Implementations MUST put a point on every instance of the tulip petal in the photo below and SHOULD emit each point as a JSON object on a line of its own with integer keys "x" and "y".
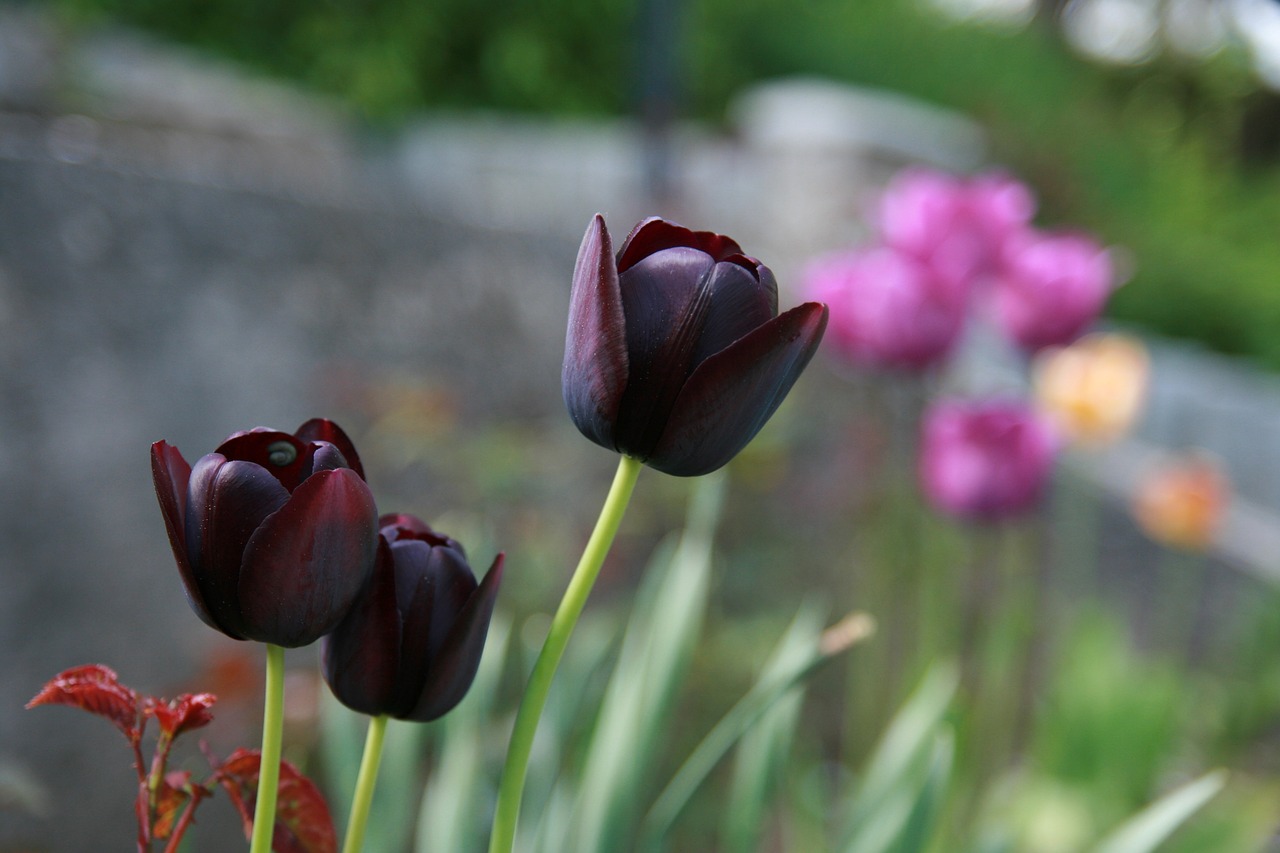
{"x": 733, "y": 393}
{"x": 285, "y": 457}
{"x": 171, "y": 474}
{"x": 655, "y": 234}
{"x": 403, "y": 522}
{"x": 414, "y": 594}
{"x": 327, "y": 457}
{"x": 306, "y": 563}
{"x": 452, "y": 584}
{"x": 361, "y": 658}
{"x": 242, "y": 495}
{"x": 666, "y": 298}
{"x": 454, "y": 667}
{"x": 238, "y": 497}
{"x": 740, "y": 302}
{"x": 595, "y": 370}
{"x": 320, "y": 429}
{"x": 770, "y": 286}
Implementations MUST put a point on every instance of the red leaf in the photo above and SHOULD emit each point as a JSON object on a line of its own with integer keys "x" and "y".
{"x": 303, "y": 822}
{"x": 180, "y": 715}
{"x": 96, "y": 689}
{"x": 171, "y": 797}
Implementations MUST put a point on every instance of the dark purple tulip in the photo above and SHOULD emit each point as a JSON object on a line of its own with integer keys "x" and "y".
{"x": 411, "y": 645}
{"x": 274, "y": 534}
{"x": 985, "y": 460}
{"x": 675, "y": 353}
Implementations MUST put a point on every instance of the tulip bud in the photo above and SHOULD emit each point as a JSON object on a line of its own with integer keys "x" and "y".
{"x": 888, "y": 309}
{"x": 675, "y": 353}
{"x": 274, "y": 534}
{"x": 987, "y": 460}
{"x": 411, "y": 645}
{"x": 1051, "y": 288}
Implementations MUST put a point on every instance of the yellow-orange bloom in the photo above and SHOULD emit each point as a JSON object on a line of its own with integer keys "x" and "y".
{"x": 1181, "y": 503}
{"x": 1095, "y": 388}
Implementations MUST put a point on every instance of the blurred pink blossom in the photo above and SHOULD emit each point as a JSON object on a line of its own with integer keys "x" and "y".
{"x": 888, "y": 308}
{"x": 985, "y": 460}
{"x": 956, "y": 225}
{"x": 1001, "y": 206}
{"x": 1051, "y": 287}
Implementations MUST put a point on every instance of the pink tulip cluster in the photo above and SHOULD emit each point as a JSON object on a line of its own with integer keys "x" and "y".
{"x": 946, "y": 244}
{"x": 946, "y": 248}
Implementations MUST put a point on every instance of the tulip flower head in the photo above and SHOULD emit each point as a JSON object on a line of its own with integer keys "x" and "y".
{"x": 1051, "y": 288}
{"x": 955, "y": 226}
{"x": 987, "y": 460}
{"x": 888, "y": 309}
{"x": 411, "y": 645}
{"x": 274, "y": 534}
{"x": 1095, "y": 388}
{"x": 1181, "y": 502}
{"x": 675, "y": 353}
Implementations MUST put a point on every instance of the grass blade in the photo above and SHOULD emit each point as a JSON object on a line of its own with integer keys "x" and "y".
{"x": 1146, "y": 830}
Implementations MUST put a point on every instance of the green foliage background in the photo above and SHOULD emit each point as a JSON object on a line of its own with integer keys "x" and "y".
{"x": 1148, "y": 157}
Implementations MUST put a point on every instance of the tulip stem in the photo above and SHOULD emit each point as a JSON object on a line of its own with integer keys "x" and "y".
{"x": 365, "y": 783}
{"x": 264, "y": 812}
{"x": 511, "y": 787}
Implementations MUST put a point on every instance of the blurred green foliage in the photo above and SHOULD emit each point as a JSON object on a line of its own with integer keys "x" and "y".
{"x": 1149, "y": 157}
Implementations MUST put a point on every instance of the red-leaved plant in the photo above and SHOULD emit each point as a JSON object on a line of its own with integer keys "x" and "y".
{"x": 167, "y": 801}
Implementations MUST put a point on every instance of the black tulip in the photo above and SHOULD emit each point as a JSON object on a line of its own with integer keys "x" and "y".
{"x": 410, "y": 647}
{"x": 274, "y": 534}
{"x": 675, "y": 353}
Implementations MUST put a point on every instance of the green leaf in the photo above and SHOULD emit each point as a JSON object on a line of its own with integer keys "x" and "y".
{"x": 1146, "y": 830}
{"x": 740, "y": 718}
{"x": 909, "y": 737}
{"x": 763, "y": 750}
{"x": 456, "y": 799}
{"x": 901, "y": 762}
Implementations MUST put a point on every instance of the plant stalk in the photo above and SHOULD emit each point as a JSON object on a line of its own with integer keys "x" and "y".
{"x": 264, "y": 812}
{"x": 365, "y": 782}
{"x": 511, "y": 786}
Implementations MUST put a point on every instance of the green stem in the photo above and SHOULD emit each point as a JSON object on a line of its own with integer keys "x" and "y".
{"x": 511, "y": 787}
{"x": 365, "y": 783}
{"x": 264, "y": 813}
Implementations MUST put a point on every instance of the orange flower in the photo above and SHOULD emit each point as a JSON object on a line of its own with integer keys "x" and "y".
{"x": 1181, "y": 503}
{"x": 1093, "y": 389}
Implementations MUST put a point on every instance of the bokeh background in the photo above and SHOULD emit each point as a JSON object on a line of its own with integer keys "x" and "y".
{"x": 223, "y": 214}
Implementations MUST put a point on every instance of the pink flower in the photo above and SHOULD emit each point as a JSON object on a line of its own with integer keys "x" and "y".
{"x": 1000, "y": 206}
{"x": 888, "y": 309}
{"x": 1052, "y": 287}
{"x": 955, "y": 225}
{"x": 985, "y": 460}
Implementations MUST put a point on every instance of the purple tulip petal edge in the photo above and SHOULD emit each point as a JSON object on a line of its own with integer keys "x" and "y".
{"x": 595, "y": 352}
{"x": 320, "y": 429}
{"x": 454, "y": 667}
{"x": 171, "y": 474}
